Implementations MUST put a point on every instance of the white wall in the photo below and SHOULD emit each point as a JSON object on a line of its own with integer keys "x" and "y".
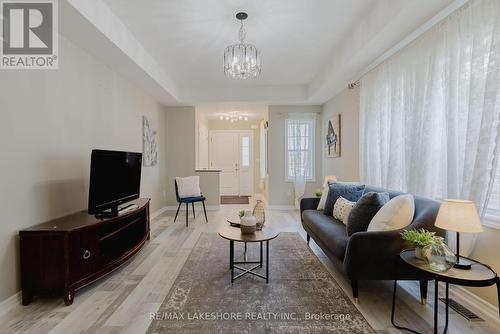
{"x": 201, "y": 140}
{"x": 50, "y": 121}
{"x": 180, "y": 150}
{"x": 346, "y": 167}
{"x": 280, "y": 192}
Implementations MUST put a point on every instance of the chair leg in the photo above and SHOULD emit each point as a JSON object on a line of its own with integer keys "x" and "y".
{"x": 205, "y": 211}
{"x": 308, "y": 238}
{"x": 355, "y": 293}
{"x": 423, "y": 292}
{"x": 194, "y": 215}
{"x": 187, "y": 209}
{"x": 177, "y": 212}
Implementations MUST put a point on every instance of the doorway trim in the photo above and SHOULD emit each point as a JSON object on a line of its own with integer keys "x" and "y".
{"x": 251, "y": 157}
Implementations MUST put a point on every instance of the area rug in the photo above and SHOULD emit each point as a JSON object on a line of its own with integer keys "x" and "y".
{"x": 234, "y": 200}
{"x": 301, "y": 297}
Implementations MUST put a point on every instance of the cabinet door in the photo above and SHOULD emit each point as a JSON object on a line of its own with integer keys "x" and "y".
{"x": 83, "y": 259}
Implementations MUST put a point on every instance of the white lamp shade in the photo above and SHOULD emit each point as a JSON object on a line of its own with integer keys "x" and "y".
{"x": 329, "y": 178}
{"x": 458, "y": 216}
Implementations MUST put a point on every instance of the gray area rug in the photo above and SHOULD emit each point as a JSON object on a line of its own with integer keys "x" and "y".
{"x": 234, "y": 200}
{"x": 301, "y": 297}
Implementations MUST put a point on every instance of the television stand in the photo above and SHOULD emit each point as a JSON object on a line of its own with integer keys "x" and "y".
{"x": 116, "y": 211}
{"x": 63, "y": 255}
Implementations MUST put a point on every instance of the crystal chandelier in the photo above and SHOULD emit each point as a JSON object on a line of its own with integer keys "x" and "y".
{"x": 242, "y": 61}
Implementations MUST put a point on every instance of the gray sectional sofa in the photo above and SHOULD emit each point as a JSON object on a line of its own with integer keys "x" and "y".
{"x": 368, "y": 255}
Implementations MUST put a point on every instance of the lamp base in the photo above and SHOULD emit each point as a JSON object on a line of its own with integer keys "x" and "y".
{"x": 463, "y": 264}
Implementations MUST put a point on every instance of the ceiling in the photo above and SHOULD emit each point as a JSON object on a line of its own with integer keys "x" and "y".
{"x": 188, "y": 37}
{"x": 310, "y": 49}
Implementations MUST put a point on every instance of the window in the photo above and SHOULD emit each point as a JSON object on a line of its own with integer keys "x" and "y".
{"x": 245, "y": 151}
{"x": 493, "y": 209}
{"x": 299, "y": 148}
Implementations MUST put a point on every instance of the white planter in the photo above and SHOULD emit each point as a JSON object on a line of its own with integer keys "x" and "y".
{"x": 248, "y": 223}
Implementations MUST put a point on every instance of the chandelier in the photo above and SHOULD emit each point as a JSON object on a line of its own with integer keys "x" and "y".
{"x": 242, "y": 61}
{"x": 233, "y": 117}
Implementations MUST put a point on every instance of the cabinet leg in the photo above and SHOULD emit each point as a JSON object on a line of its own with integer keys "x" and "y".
{"x": 68, "y": 297}
{"x": 27, "y": 297}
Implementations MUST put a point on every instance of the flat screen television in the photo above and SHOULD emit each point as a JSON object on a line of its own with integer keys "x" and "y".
{"x": 115, "y": 178}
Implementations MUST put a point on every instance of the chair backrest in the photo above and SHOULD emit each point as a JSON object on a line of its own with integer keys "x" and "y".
{"x": 187, "y": 187}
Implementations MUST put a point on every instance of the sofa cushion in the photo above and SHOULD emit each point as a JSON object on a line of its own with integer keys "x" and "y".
{"x": 324, "y": 195}
{"x": 351, "y": 192}
{"x": 394, "y": 215}
{"x": 330, "y": 231}
{"x": 364, "y": 211}
{"x": 342, "y": 209}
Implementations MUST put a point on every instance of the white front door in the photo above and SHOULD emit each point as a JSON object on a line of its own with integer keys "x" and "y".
{"x": 232, "y": 153}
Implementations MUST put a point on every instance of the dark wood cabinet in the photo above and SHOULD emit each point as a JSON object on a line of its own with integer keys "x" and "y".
{"x": 63, "y": 255}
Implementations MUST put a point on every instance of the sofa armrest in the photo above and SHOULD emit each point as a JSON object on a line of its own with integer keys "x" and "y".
{"x": 373, "y": 254}
{"x": 310, "y": 203}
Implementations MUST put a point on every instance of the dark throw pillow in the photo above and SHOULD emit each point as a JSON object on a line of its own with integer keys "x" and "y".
{"x": 350, "y": 191}
{"x": 364, "y": 210}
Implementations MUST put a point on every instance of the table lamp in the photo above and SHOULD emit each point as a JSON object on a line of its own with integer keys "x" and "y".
{"x": 328, "y": 179}
{"x": 459, "y": 216}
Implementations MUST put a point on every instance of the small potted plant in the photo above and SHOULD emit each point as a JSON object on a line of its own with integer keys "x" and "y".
{"x": 318, "y": 192}
{"x": 419, "y": 239}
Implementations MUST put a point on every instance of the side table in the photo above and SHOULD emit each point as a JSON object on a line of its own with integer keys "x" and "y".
{"x": 480, "y": 275}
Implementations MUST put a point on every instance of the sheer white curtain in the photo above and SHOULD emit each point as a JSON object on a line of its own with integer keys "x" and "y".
{"x": 299, "y": 151}
{"x": 429, "y": 121}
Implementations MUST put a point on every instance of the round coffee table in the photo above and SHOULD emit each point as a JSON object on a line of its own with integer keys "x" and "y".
{"x": 234, "y": 234}
{"x": 480, "y": 275}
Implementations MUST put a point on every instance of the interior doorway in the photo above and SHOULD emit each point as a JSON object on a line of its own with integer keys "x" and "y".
{"x": 231, "y": 151}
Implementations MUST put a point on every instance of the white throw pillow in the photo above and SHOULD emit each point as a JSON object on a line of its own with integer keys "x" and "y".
{"x": 188, "y": 186}
{"x": 342, "y": 208}
{"x": 322, "y": 200}
{"x": 394, "y": 215}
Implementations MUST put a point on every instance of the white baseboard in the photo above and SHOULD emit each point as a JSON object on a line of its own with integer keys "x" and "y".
{"x": 281, "y": 207}
{"x": 9, "y": 303}
{"x": 208, "y": 207}
{"x": 475, "y": 304}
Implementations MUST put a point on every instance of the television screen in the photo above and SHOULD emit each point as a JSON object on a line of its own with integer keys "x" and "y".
{"x": 115, "y": 178}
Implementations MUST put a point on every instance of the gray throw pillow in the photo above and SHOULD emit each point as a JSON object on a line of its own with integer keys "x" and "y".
{"x": 364, "y": 210}
{"x": 351, "y": 192}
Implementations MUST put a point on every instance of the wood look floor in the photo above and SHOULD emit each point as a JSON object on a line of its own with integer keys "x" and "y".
{"x": 122, "y": 301}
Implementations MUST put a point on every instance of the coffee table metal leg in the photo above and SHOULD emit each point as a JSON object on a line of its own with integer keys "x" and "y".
{"x": 267, "y": 261}
{"x": 245, "y": 253}
{"x": 261, "y": 254}
{"x": 231, "y": 259}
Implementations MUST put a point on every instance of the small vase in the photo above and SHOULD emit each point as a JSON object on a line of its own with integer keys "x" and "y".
{"x": 248, "y": 223}
{"x": 439, "y": 256}
{"x": 259, "y": 214}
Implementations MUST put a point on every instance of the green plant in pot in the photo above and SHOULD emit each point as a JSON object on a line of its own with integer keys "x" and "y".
{"x": 318, "y": 192}
{"x": 419, "y": 239}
